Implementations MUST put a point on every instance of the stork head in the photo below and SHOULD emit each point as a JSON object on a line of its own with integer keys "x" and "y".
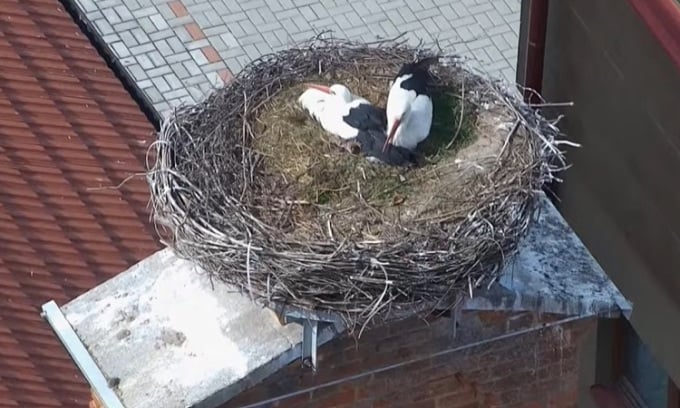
{"x": 339, "y": 90}
{"x": 397, "y": 109}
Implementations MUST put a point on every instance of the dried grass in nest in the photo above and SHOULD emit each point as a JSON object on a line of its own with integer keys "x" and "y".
{"x": 225, "y": 186}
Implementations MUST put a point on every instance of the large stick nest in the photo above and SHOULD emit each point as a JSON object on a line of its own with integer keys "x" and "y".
{"x": 241, "y": 180}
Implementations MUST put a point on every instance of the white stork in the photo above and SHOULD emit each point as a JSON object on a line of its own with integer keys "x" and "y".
{"x": 409, "y": 106}
{"x": 340, "y": 112}
{"x": 353, "y": 119}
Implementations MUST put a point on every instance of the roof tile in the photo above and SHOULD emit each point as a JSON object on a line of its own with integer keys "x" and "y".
{"x": 69, "y": 134}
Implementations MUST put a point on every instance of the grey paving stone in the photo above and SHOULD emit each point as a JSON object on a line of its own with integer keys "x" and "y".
{"x": 215, "y": 79}
{"x": 251, "y": 39}
{"x": 161, "y": 35}
{"x": 142, "y": 49}
{"x": 128, "y": 39}
{"x": 153, "y": 94}
{"x": 120, "y": 49}
{"x": 218, "y": 44}
{"x": 156, "y": 58}
{"x": 183, "y": 35}
{"x": 88, "y": 5}
{"x": 248, "y": 27}
{"x": 103, "y": 4}
{"x": 192, "y": 67}
{"x": 147, "y": 25}
{"x": 176, "y": 94}
{"x": 180, "y": 57}
{"x": 216, "y": 31}
{"x": 145, "y": 62}
{"x": 180, "y": 71}
{"x": 201, "y": 19}
{"x": 144, "y": 84}
{"x": 133, "y": 4}
{"x": 199, "y": 57}
{"x": 195, "y": 93}
{"x": 162, "y": 107}
{"x": 103, "y": 27}
{"x": 145, "y": 12}
{"x": 123, "y": 12}
{"x": 111, "y": 16}
{"x": 138, "y": 73}
{"x": 159, "y": 53}
{"x": 194, "y": 45}
{"x": 197, "y": 8}
{"x": 320, "y": 11}
{"x": 272, "y": 39}
{"x": 111, "y": 38}
{"x": 175, "y": 44}
{"x": 165, "y": 11}
{"x": 125, "y": 25}
{"x": 127, "y": 61}
{"x": 161, "y": 84}
{"x": 173, "y": 81}
{"x": 179, "y": 21}
{"x": 196, "y": 80}
{"x": 160, "y": 71}
{"x": 140, "y": 35}
{"x": 159, "y": 21}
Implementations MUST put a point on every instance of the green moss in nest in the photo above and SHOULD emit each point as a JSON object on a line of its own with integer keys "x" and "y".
{"x": 452, "y": 127}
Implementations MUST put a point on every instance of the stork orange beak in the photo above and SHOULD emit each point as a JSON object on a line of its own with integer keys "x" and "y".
{"x": 321, "y": 88}
{"x": 390, "y": 136}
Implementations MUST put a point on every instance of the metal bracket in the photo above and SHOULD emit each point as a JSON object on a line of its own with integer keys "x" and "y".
{"x": 313, "y": 323}
{"x": 310, "y": 338}
{"x": 455, "y": 316}
{"x": 68, "y": 337}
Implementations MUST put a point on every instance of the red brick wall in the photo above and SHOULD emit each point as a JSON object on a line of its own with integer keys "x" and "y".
{"x": 537, "y": 369}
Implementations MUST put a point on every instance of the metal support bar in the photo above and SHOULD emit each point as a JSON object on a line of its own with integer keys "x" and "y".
{"x": 310, "y": 338}
{"x": 68, "y": 337}
{"x": 455, "y": 316}
{"x": 309, "y": 342}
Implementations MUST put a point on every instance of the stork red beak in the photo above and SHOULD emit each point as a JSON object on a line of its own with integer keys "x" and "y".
{"x": 390, "y": 136}
{"x": 321, "y": 88}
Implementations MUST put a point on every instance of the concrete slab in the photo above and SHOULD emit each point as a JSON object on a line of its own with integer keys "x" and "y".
{"x": 221, "y": 36}
{"x": 553, "y": 272}
{"x": 172, "y": 339}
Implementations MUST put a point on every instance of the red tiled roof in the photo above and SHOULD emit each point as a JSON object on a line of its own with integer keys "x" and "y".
{"x": 67, "y": 128}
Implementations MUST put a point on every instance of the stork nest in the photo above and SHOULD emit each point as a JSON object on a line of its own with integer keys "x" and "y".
{"x": 261, "y": 197}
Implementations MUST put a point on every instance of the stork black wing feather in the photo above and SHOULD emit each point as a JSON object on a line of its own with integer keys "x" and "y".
{"x": 366, "y": 116}
{"x": 420, "y": 75}
{"x": 420, "y": 65}
{"x": 371, "y": 143}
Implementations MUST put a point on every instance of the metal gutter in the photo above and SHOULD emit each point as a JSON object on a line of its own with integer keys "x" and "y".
{"x": 75, "y": 348}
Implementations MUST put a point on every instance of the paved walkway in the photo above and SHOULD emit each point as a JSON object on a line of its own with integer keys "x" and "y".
{"x": 177, "y": 50}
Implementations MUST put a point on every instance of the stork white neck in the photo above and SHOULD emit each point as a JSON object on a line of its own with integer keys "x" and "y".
{"x": 341, "y": 92}
{"x": 409, "y": 115}
{"x": 398, "y": 122}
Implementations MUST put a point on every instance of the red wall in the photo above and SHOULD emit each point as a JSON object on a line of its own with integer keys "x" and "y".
{"x": 537, "y": 369}
{"x": 621, "y": 196}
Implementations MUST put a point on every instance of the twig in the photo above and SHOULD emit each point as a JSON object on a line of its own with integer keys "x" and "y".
{"x": 119, "y": 185}
{"x": 512, "y": 131}
{"x": 462, "y": 114}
